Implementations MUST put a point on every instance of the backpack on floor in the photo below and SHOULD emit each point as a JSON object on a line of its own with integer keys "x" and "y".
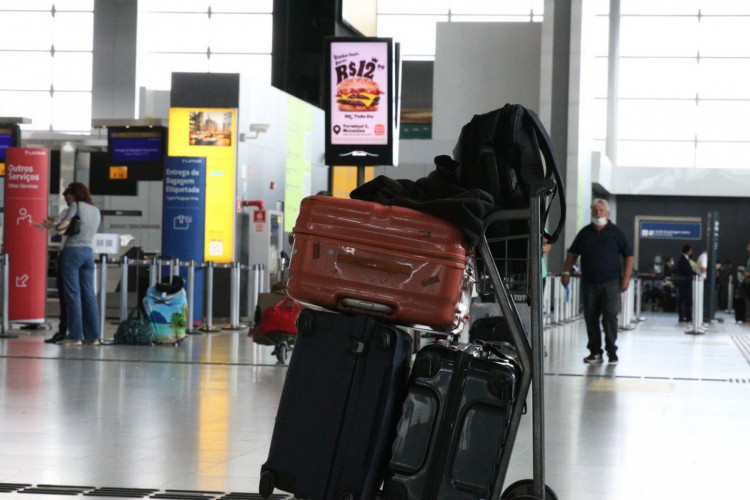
{"x": 507, "y": 152}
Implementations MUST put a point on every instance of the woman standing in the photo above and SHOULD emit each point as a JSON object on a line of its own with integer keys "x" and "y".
{"x": 77, "y": 263}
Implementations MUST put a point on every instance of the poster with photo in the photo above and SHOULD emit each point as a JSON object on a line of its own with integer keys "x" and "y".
{"x": 359, "y": 101}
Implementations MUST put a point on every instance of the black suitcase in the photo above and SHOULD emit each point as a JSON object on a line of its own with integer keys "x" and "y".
{"x": 454, "y": 424}
{"x": 339, "y": 408}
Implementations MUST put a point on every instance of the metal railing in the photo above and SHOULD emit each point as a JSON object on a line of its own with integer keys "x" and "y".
{"x": 168, "y": 267}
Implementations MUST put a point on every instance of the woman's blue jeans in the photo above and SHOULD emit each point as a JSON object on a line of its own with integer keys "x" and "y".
{"x": 78, "y": 288}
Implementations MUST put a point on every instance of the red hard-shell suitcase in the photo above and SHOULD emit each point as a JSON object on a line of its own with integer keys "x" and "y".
{"x": 400, "y": 264}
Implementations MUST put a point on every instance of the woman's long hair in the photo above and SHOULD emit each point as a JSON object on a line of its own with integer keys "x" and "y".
{"x": 79, "y": 192}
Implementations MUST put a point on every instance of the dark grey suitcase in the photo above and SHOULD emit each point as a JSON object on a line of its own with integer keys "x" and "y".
{"x": 454, "y": 424}
{"x": 339, "y": 408}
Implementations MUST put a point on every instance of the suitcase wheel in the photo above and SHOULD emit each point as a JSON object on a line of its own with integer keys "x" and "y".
{"x": 267, "y": 483}
{"x": 426, "y": 365}
{"x": 524, "y": 490}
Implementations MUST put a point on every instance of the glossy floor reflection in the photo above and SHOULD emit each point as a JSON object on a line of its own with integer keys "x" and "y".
{"x": 668, "y": 422}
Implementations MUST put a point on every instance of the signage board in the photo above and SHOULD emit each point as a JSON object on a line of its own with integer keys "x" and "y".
{"x": 670, "y": 230}
{"x": 360, "y": 95}
{"x": 184, "y": 217}
{"x": 211, "y": 133}
{"x": 26, "y": 201}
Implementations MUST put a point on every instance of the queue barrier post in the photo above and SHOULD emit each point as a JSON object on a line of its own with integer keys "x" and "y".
{"x": 102, "y": 295}
{"x": 5, "y": 265}
{"x": 190, "y": 295}
{"x": 208, "y": 323}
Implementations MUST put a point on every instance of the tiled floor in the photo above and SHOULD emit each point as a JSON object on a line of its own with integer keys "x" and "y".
{"x": 670, "y": 421}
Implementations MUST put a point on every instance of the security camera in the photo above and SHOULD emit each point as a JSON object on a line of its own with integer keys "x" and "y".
{"x": 259, "y": 128}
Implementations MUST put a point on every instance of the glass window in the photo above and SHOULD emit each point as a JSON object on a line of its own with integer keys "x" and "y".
{"x": 74, "y": 31}
{"x": 175, "y": 32}
{"x": 258, "y": 67}
{"x": 174, "y": 35}
{"x": 412, "y": 7}
{"x": 147, "y": 6}
{"x": 34, "y": 105}
{"x": 724, "y": 37}
{"x": 72, "y": 71}
{"x": 43, "y": 5}
{"x": 723, "y": 79}
{"x": 656, "y": 120}
{"x": 25, "y": 71}
{"x": 655, "y": 154}
{"x": 248, "y": 34}
{"x": 156, "y": 69}
{"x": 722, "y": 155}
{"x": 521, "y": 18}
{"x": 661, "y": 7}
{"x": 84, "y": 5}
{"x": 658, "y": 78}
{"x": 26, "y": 30}
{"x": 252, "y": 6}
{"x": 71, "y": 111}
{"x": 723, "y": 121}
{"x": 659, "y": 36}
{"x": 416, "y": 33}
{"x": 483, "y": 7}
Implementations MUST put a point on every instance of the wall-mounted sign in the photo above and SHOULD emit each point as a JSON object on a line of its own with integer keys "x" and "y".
{"x": 360, "y": 101}
{"x": 668, "y": 230}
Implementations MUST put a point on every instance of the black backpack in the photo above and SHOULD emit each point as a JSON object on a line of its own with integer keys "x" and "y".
{"x": 506, "y": 152}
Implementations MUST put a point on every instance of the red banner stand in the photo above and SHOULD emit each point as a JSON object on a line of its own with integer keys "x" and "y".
{"x": 26, "y": 203}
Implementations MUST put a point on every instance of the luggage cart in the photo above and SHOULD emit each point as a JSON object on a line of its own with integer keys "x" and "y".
{"x": 502, "y": 272}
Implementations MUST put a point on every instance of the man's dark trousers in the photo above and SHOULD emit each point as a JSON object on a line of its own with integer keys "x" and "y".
{"x": 601, "y": 301}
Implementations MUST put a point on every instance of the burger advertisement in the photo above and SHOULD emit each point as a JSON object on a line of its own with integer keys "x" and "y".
{"x": 359, "y": 118}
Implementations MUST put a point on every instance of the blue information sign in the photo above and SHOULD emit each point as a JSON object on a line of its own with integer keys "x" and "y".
{"x": 184, "y": 217}
{"x": 670, "y": 230}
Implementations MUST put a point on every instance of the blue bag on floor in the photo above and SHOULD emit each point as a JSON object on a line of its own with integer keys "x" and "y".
{"x": 166, "y": 309}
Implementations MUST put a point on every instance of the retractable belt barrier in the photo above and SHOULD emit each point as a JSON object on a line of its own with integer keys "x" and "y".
{"x": 697, "y": 327}
{"x": 563, "y": 305}
{"x": 156, "y": 267}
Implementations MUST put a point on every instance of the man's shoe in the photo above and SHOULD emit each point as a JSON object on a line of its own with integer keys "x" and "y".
{"x": 57, "y": 337}
{"x": 93, "y": 342}
{"x": 72, "y": 342}
{"x": 613, "y": 359}
{"x": 593, "y": 359}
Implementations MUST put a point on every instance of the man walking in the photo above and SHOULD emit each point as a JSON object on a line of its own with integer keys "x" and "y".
{"x": 606, "y": 264}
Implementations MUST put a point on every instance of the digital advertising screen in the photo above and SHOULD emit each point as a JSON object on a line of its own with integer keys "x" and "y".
{"x": 9, "y": 137}
{"x": 360, "y": 98}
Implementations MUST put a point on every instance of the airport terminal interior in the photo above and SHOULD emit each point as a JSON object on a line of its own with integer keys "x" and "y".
{"x": 645, "y": 104}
